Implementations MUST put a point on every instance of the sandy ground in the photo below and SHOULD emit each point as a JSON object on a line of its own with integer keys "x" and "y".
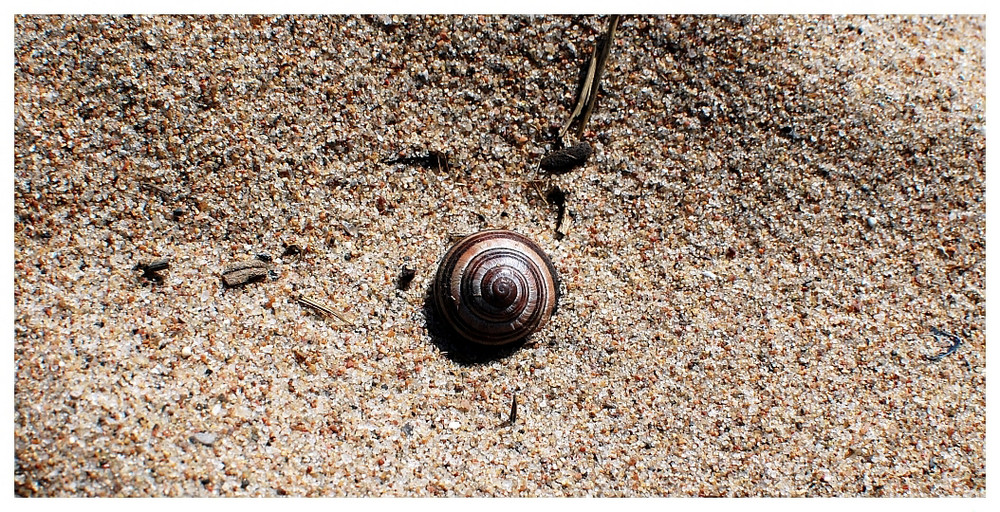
{"x": 773, "y": 266}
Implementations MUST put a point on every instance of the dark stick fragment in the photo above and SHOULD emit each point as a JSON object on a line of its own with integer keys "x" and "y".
{"x": 567, "y": 159}
{"x": 512, "y": 418}
{"x": 243, "y": 272}
{"x": 435, "y": 160}
{"x": 513, "y": 409}
{"x": 557, "y": 197}
{"x": 953, "y": 339}
{"x": 153, "y": 265}
{"x": 150, "y": 268}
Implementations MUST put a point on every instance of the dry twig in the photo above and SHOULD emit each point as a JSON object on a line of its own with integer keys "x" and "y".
{"x": 592, "y": 80}
{"x": 323, "y": 308}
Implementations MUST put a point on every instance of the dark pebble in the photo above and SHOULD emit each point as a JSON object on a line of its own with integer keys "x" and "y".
{"x": 567, "y": 159}
{"x": 406, "y": 275}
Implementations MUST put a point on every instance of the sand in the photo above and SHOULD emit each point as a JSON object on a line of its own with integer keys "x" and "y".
{"x": 773, "y": 265}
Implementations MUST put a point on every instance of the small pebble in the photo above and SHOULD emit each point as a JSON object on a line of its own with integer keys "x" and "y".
{"x": 406, "y": 276}
{"x": 205, "y": 438}
{"x": 240, "y": 273}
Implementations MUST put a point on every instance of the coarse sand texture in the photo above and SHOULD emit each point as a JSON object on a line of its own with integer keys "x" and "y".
{"x": 769, "y": 238}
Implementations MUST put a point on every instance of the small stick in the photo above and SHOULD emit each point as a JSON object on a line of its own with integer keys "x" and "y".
{"x": 513, "y": 409}
{"x": 584, "y": 93}
{"x": 322, "y": 308}
{"x": 592, "y": 80}
{"x": 150, "y": 269}
{"x": 512, "y": 417}
{"x": 163, "y": 193}
{"x": 601, "y": 61}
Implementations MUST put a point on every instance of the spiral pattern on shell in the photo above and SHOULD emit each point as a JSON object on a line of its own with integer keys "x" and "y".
{"x": 496, "y": 287}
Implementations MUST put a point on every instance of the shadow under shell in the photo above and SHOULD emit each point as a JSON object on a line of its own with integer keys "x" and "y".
{"x": 456, "y": 347}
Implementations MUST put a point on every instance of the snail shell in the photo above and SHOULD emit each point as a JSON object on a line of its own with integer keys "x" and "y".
{"x": 496, "y": 287}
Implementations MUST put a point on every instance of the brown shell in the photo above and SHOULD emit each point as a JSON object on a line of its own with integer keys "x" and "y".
{"x": 496, "y": 287}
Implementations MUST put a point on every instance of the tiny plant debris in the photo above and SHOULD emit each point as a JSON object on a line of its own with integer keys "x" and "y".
{"x": 557, "y": 197}
{"x": 513, "y": 409}
{"x": 435, "y": 160}
{"x": 591, "y": 80}
{"x": 322, "y": 308}
{"x": 243, "y": 272}
{"x": 150, "y": 268}
{"x": 512, "y": 417}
